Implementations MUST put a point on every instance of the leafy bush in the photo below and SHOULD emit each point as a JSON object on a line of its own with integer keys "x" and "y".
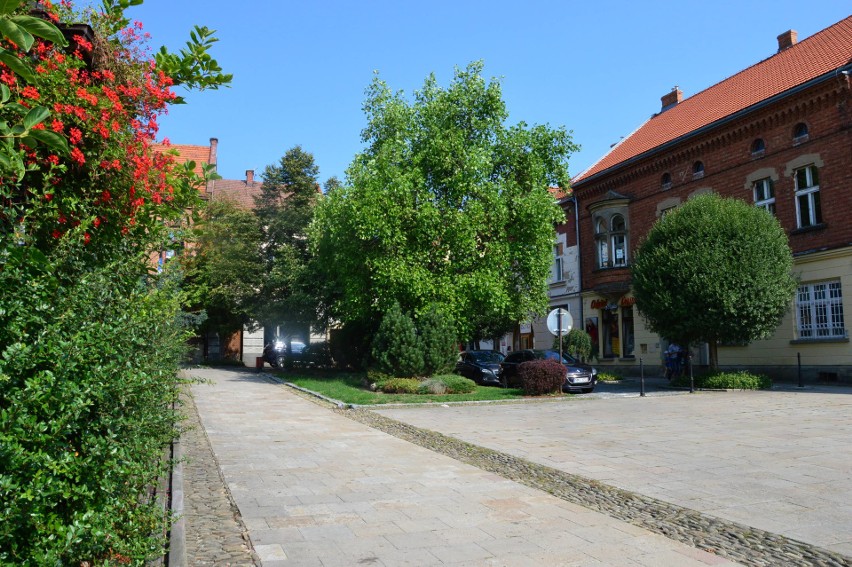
{"x": 541, "y": 377}
{"x": 577, "y": 342}
{"x": 400, "y": 386}
{"x": 740, "y": 380}
{"x": 609, "y": 377}
{"x": 88, "y": 373}
{"x": 396, "y": 349}
{"x": 456, "y": 384}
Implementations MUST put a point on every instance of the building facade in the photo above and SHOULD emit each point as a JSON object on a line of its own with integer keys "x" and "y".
{"x": 778, "y": 135}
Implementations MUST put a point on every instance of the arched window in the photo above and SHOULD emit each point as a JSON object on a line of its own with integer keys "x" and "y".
{"x": 666, "y": 181}
{"x": 698, "y": 170}
{"x": 611, "y": 241}
{"x": 758, "y": 147}
{"x": 800, "y": 133}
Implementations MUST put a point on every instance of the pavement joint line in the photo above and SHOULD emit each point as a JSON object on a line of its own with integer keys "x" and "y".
{"x": 732, "y": 540}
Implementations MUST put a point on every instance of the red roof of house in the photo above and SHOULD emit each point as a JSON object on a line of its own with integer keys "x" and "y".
{"x": 817, "y": 55}
{"x": 237, "y": 191}
{"x": 198, "y": 154}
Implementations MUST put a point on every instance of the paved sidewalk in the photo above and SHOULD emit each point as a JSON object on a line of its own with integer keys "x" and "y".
{"x": 316, "y": 488}
{"x": 780, "y": 461}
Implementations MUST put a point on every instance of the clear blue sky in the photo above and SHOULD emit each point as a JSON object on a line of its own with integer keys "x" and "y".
{"x": 598, "y": 68}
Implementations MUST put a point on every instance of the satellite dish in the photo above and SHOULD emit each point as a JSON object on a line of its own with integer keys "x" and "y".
{"x": 559, "y": 322}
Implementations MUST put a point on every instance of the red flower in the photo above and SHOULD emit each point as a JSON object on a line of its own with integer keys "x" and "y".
{"x": 78, "y": 156}
{"x": 56, "y": 234}
{"x": 57, "y": 126}
{"x": 30, "y": 92}
{"x": 76, "y": 136}
{"x": 87, "y": 238}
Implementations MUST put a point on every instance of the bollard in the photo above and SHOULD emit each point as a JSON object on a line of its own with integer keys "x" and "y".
{"x": 642, "y": 378}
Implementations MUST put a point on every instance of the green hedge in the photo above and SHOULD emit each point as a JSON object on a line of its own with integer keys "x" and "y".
{"x": 88, "y": 375}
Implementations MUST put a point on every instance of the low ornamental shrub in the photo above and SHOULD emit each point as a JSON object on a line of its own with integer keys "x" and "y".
{"x": 541, "y": 377}
{"x": 738, "y": 380}
{"x": 400, "y": 386}
{"x": 609, "y": 377}
{"x": 432, "y": 386}
{"x": 456, "y": 384}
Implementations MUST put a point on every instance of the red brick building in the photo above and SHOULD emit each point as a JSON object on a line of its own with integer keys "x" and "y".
{"x": 779, "y": 135}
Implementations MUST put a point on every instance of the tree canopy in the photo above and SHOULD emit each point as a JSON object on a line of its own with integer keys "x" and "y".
{"x": 446, "y": 205}
{"x": 714, "y": 269}
{"x": 284, "y": 210}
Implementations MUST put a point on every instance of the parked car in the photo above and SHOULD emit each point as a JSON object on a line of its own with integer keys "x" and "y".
{"x": 314, "y": 355}
{"x": 579, "y": 377}
{"x": 481, "y": 366}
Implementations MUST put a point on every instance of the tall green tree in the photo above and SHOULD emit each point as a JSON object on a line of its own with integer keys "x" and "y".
{"x": 715, "y": 269}
{"x": 446, "y": 204}
{"x": 285, "y": 209}
{"x": 222, "y": 269}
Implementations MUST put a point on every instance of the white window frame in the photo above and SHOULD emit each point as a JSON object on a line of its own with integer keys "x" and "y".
{"x": 819, "y": 311}
{"x": 602, "y": 243}
{"x": 809, "y": 195}
{"x": 618, "y": 241}
{"x": 764, "y": 194}
{"x": 558, "y": 274}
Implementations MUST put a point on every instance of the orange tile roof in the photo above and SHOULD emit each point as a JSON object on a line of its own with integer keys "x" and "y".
{"x": 236, "y": 191}
{"x": 809, "y": 59}
{"x": 198, "y": 154}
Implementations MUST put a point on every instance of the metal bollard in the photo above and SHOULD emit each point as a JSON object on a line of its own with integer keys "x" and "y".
{"x": 642, "y": 378}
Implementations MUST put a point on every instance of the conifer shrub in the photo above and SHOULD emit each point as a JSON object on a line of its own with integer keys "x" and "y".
{"x": 396, "y": 348}
{"x": 577, "y": 342}
{"x": 437, "y": 339}
{"x": 541, "y": 377}
{"x": 432, "y": 386}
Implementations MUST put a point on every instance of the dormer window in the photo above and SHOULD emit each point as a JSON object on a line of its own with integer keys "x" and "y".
{"x": 758, "y": 148}
{"x": 800, "y": 133}
{"x": 666, "y": 181}
{"x": 698, "y": 170}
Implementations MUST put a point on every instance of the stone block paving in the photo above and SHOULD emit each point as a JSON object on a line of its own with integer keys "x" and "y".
{"x": 778, "y": 461}
{"x": 314, "y": 487}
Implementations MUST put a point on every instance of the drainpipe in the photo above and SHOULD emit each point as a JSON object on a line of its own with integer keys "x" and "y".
{"x": 579, "y": 257}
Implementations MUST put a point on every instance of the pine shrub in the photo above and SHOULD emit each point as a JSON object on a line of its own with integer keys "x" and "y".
{"x": 437, "y": 339}
{"x": 401, "y": 386}
{"x": 541, "y": 377}
{"x": 396, "y": 349}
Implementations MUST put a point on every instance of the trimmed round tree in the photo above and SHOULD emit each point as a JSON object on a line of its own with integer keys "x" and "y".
{"x": 715, "y": 269}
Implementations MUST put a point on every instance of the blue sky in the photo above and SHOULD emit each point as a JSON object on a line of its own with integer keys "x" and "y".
{"x": 598, "y": 68}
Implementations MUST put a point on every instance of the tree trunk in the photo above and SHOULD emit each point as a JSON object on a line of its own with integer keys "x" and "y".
{"x": 714, "y": 354}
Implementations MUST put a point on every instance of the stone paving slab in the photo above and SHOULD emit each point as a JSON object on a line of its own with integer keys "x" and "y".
{"x": 316, "y": 488}
{"x": 780, "y": 461}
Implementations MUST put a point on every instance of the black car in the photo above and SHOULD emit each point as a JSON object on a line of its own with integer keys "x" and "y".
{"x": 579, "y": 377}
{"x": 314, "y": 355}
{"x": 481, "y": 366}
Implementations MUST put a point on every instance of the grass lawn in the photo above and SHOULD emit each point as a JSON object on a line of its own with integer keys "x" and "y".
{"x": 349, "y": 388}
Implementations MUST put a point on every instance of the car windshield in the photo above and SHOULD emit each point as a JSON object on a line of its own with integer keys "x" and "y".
{"x": 554, "y": 355}
{"x": 486, "y": 356}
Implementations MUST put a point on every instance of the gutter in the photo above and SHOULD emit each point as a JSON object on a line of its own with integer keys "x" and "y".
{"x": 845, "y": 70}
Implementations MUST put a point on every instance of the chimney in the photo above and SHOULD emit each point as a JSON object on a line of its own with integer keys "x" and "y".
{"x": 671, "y": 99}
{"x": 787, "y": 39}
{"x": 214, "y": 143}
{"x": 250, "y": 178}
{"x": 211, "y": 185}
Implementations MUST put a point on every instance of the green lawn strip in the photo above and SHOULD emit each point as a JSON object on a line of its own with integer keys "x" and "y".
{"x": 349, "y": 389}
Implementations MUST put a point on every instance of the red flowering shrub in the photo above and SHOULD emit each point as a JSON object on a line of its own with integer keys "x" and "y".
{"x": 540, "y": 377}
